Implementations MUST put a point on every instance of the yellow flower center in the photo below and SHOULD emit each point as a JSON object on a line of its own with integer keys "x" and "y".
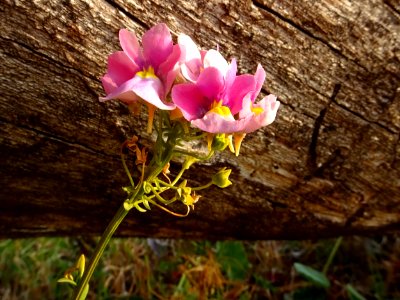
{"x": 147, "y": 73}
{"x": 256, "y": 110}
{"x": 218, "y": 108}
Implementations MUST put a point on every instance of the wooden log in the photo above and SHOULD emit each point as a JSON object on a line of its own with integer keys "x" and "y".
{"x": 329, "y": 165}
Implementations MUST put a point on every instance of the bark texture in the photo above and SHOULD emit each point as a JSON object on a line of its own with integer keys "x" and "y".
{"x": 329, "y": 165}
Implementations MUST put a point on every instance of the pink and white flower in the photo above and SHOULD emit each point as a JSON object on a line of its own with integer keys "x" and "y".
{"x": 193, "y": 60}
{"x": 225, "y": 104}
{"x": 143, "y": 73}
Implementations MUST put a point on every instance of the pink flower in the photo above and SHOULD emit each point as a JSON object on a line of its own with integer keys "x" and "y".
{"x": 194, "y": 61}
{"x": 225, "y": 104}
{"x": 145, "y": 73}
{"x": 250, "y": 118}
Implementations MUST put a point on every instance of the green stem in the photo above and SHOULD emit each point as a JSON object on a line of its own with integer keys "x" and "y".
{"x": 166, "y": 151}
{"x": 165, "y": 184}
{"x": 203, "y": 186}
{"x": 178, "y": 176}
{"x": 332, "y": 254}
{"x": 158, "y": 196}
{"x": 127, "y": 170}
{"x": 105, "y": 239}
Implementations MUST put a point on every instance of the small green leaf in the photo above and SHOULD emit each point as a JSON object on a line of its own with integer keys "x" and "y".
{"x": 353, "y": 293}
{"x": 138, "y": 207}
{"x": 66, "y": 280}
{"x": 316, "y": 277}
{"x": 146, "y": 204}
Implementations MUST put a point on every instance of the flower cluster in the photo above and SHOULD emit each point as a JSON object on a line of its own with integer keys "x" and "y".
{"x": 196, "y": 86}
{"x": 188, "y": 86}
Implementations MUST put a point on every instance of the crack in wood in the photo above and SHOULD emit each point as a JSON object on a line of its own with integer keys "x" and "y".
{"x": 305, "y": 31}
{"x": 365, "y": 119}
{"x": 127, "y": 13}
{"x": 391, "y": 7}
{"x": 48, "y": 58}
{"x": 357, "y": 114}
{"x": 59, "y": 139}
{"x": 312, "y": 150}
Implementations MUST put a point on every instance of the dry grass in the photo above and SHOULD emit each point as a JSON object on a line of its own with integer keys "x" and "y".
{"x": 131, "y": 269}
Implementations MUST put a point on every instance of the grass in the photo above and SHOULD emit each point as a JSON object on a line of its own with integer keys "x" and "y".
{"x": 363, "y": 268}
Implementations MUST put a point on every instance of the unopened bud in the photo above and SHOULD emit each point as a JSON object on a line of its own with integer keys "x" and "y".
{"x": 221, "y": 179}
{"x": 220, "y": 142}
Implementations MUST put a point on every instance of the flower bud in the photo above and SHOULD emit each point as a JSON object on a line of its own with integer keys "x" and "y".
{"x": 80, "y": 265}
{"x": 221, "y": 179}
{"x": 220, "y": 142}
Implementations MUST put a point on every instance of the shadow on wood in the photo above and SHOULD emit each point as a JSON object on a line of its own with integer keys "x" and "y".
{"x": 329, "y": 165}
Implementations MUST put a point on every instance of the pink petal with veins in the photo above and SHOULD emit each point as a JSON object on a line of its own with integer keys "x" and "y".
{"x": 120, "y": 68}
{"x": 214, "y": 59}
{"x": 190, "y": 100}
{"x": 157, "y": 45}
{"x": 148, "y": 89}
{"x": 131, "y": 47}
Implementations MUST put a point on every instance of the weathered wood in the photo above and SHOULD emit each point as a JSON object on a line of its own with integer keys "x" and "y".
{"x": 329, "y": 165}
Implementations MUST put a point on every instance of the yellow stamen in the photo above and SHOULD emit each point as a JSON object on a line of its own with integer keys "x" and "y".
{"x": 257, "y": 110}
{"x": 218, "y": 108}
{"x": 238, "y": 137}
{"x": 147, "y": 73}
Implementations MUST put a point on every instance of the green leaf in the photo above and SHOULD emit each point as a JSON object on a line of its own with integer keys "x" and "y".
{"x": 353, "y": 293}
{"x": 66, "y": 280}
{"x": 85, "y": 292}
{"x": 137, "y": 206}
{"x": 146, "y": 204}
{"x": 233, "y": 259}
{"x": 312, "y": 275}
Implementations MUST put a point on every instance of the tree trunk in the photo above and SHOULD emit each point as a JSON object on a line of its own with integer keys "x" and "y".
{"x": 329, "y": 165}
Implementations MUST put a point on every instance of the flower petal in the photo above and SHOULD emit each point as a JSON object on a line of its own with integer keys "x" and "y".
{"x": 120, "y": 68}
{"x": 148, "y": 89}
{"x": 157, "y": 45}
{"x": 169, "y": 69}
{"x": 191, "y": 58}
{"x": 122, "y": 92}
{"x": 216, "y": 123}
{"x": 190, "y": 100}
{"x": 240, "y": 87}
{"x": 152, "y": 91}
{"x": 108, "y": 84}
{"x": 130, "y": 45}
{"x": 259, "y": 78}
{"x": 211, "y": 83}
{"x": 214, "y": 59}
{"x": 230, "y": 74}
{"x": 252, "y": 121}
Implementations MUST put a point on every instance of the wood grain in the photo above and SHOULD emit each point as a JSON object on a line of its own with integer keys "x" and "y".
{"x": 329, "y": 165}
